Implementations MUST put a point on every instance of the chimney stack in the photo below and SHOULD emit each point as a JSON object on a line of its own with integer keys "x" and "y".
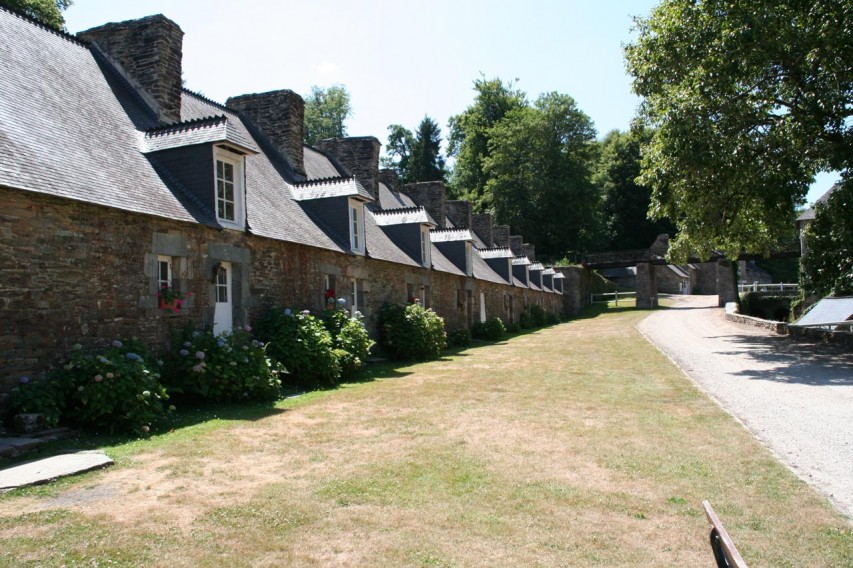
{"x": 280, "y": 117}
{"x": 500, "y": 235}
{"x": 389, "y": 178}
{"x": 358, "y": 154}
{"x": 529, "y": 251}
{"x": 430, "y": 195}
{"x": 148, "y": 51}
{"x": 482, "y": 223}
{"x": 459, "y": 211}
{"x": 516, "y": 245}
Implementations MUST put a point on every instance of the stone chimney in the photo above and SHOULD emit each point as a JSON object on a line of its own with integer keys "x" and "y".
{"x": 500, "y": 235}
{"x": 280, "y": 116}
{"x": 459, "y": 211}
{"x": 389, "y": 178}
{"x": 148, "y": 52}
{"x": 358, "y": 154}
{"x": 516, "y": 245}
{"x": 482, "y": 223}
{"x": 430, "y": 195}
{"x": 529, "y": 251}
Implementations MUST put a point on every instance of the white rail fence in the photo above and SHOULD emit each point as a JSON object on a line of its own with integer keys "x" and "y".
{"x": 775, "y": 287}
{"x": 606, "y": 297}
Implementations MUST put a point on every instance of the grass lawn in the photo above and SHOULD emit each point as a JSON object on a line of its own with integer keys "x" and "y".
{"x": 575, "y": 445}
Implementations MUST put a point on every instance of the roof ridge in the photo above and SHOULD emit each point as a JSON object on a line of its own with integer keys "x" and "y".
{"x": 47, "y": 27}
{"x": 186, "y": 125}
{"x": 207, "y": 100}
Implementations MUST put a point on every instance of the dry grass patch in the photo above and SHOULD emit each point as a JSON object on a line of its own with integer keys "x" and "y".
{"x": 578, "y": 445}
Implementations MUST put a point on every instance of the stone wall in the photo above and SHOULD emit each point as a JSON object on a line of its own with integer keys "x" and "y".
{"x": 79, "y": 273}
{"x": 706, "y": 278}
{"x": 390, "y": 178}
{"x": 576, "y": 288}
{"x": 149, "y": 51}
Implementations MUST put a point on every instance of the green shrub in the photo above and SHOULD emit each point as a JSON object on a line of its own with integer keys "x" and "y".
{"x": 513, "y": 328}
{"x": 227, "y": 367}
{"x": 117, "y": 390}
{"x": 525, "y": 320}
{"x": 776, "y": 308}
{"x": 491, "y": 330}
{"x": 552, "y": 318}
{"x": 537, "y": 315}
{"x": 411, "y": 332}
{"x": 459, "y": 338}
{"x": 352, "y": 344}
{"x": 301, "y": 343}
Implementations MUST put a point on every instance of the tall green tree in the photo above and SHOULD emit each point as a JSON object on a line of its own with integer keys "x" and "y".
{"x": 47, "y": 11}
{"x": 625, "y": 208}
{"x": 828, "y": 266}
{"x": 416, "y": 156}
{"x": 747, "y": 100}
{"x": 326, "y": 110}
{"x": 539, "y": 174}
{"x": 470, "y": 132}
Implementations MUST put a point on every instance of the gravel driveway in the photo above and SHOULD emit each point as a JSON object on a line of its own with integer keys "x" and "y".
{"x": 795, "y": 397}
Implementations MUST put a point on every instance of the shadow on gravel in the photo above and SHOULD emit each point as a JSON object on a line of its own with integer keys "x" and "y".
{"x": 814, "y": 364}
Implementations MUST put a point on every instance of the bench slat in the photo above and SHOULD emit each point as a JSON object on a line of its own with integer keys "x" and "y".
{"x": 728, "y": 545}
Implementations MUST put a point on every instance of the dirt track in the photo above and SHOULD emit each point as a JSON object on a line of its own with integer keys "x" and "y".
{"x": 796, "y": 397}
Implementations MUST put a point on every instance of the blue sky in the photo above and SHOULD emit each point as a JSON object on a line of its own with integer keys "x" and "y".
{"x": 402, "y": 60}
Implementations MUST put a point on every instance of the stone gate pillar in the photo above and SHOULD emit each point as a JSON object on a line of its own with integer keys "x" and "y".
{"x": 647, "y": 286}
{"x": 726, "y": 287}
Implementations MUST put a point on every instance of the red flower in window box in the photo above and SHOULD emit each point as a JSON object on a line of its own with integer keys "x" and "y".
{"x": 330, "y": 293}
{"x": 170, "y": 299}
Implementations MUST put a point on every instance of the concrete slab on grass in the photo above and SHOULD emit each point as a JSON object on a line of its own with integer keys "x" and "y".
{"x": 48, "y": 469}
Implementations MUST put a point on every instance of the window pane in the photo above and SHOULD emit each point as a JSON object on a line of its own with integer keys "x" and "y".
{"x": 228, "y": 191}
{"x": 219, "y": 168}
{"x": 229, "y": 211}
{"x": 229, "y": 172}
{"x": 220, "y": 209}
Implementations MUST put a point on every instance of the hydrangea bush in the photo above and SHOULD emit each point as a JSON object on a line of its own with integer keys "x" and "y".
{"x": 352, "y": 344}
{"x": 227, "y": 367}
{"x": 117, "y": 390}
{"x": 412, "y": 332}
{"x": 301, "y": 343}
{"x": 492, "y": 329}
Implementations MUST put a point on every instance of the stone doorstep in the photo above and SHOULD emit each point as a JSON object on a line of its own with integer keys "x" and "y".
{"x": 49, "y": 469}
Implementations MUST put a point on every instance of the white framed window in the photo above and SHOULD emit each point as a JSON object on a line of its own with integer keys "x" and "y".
{"x": 222, "y": 285}
{"x": 354, "y": 297}
{"x": 230, "y": 195}
{"x": 426, "y": 296}
{"x": 164, "y": 272}
{"x": 356, "y": 226}
{"x": 425, "y": 247}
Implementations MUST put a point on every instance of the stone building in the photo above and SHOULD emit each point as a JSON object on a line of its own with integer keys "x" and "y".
{"x": 116, "y": 181}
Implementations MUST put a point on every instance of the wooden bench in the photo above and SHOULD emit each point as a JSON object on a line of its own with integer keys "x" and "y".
{"x": 724, "y": 549}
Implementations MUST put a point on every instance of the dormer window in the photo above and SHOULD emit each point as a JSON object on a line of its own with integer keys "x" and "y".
{"x": 230, "y": 210}
{"x": 356, "y": 226}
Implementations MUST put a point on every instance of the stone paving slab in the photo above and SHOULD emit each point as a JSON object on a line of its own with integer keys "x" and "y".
{"x": 49, "y": 469}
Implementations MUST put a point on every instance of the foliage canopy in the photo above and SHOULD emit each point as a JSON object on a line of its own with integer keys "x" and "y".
{"x": 746, "y": 101}
{"x": 326, "y": 110}
{"x": 47, "y": 11}
{"x": 416, "y": 156}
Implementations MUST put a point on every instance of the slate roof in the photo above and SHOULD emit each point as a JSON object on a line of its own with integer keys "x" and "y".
{"x": 482, "y": 270}
{"x": 269, "y": 205}
{"x": 67, "y": 129}
{"x": 521, "y": 261}
{"x": 318, "y": 165}
{"x": 198, "y": 131}
{"x": 402, "y": 216}
{"x": 442, "y": 264}
{"x": 379, "y": 245}
{"x": 393, "y": 199}
{"x": 809, "y": 214}
{"x": 558, "y": 275}
{"x": 537, "y": 266}
{"x": 450, "y": 235}
{"x": 549, "y": 272}
{"x": 518, "y": 283}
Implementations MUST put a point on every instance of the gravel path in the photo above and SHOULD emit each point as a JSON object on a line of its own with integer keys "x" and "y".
{"x": 795, "y": 397}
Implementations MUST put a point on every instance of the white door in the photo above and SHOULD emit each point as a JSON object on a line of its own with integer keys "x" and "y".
{"x": 223, "y": 308}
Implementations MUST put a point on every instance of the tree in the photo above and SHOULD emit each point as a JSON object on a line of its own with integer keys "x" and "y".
{"x": 626, "y": 204}
{"x": 539, "y": 174}
{"x": 828, "y": 266}
{"x": 46, "y": 11}
{"x": 416, "y": 157}
{"x": 470, "y": 134}
{"x": 747, "y": 100}
{"x": 325, "y": 113}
